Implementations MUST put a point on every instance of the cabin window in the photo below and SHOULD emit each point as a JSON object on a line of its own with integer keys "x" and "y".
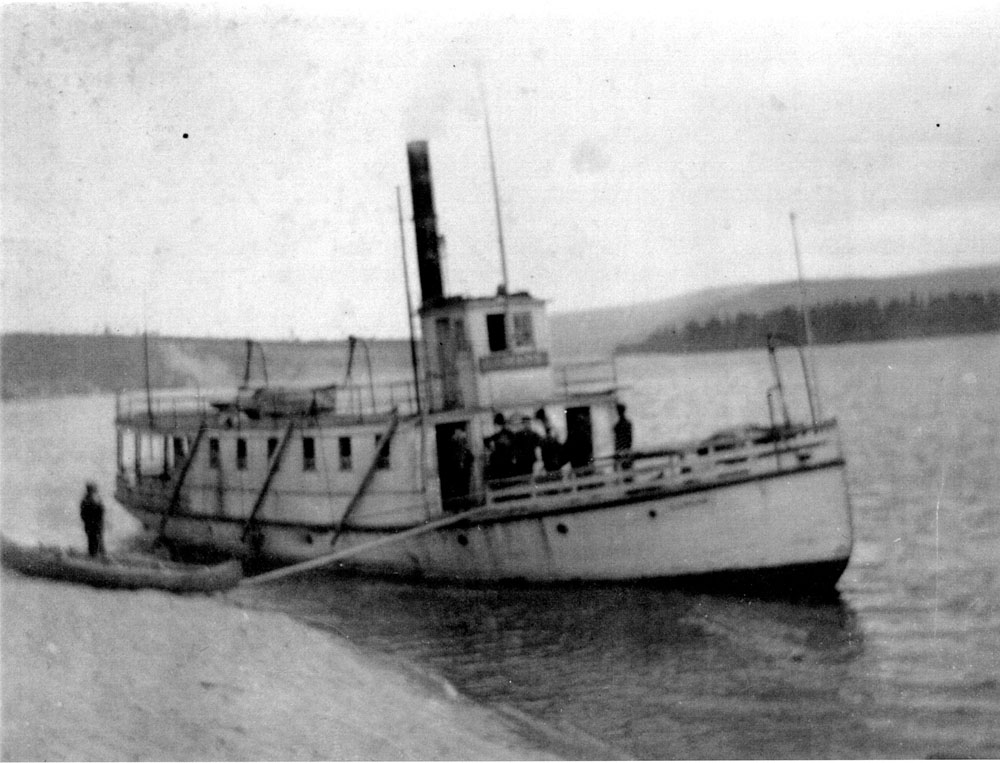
{"x": 383, "y": 459}
{"x": 524, "y": 335}
{"x": 345, "y": 454}
{"x": 241, "y": 453}
{"x": 180, "y": 449}
{"x": 308, "y": 454}
{"x": 496, "y": 330}
{"x": 458, "y": 331}
{"x": 272, "y": 447}
{"x": 213, "y": 452}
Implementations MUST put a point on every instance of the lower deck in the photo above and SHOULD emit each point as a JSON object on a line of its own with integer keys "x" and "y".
{"x": 752, "y": 500}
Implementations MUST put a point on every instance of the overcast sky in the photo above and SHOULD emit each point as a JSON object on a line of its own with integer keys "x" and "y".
{"x": 233, "y": 173}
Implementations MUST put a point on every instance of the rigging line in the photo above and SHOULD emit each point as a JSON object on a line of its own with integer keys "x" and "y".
{"x": 381, "y": 449}
{"x": 272, "y": 470}
{"x": 496, "y": 189}
{"x": 149, "y": 392}
{"x": 413, "y": 346}
{"x": 336, "y": 556}
{"x": 175, "y": 494}
{"x": 812, "y": 390}
{"x": 409, "y": 303}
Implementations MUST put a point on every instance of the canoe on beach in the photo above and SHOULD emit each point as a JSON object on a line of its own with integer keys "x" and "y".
{"x": 125, "y": 571}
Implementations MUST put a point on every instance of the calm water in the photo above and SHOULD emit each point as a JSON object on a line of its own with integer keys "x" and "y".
{"x": 904, "y": 663}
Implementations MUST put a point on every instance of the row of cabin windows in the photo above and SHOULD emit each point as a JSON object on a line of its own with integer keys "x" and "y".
{"x": 346, "y": 460}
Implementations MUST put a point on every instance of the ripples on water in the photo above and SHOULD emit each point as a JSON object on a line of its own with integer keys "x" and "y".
{"x": 904, "y": 663}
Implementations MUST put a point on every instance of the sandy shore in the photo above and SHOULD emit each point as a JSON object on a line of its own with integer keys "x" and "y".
{"x": 106, "y": 675}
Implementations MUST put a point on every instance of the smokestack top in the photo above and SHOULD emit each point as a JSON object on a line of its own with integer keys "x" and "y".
{"x": 425, "y": 222}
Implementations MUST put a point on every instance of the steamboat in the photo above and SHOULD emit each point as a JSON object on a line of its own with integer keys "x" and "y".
{"x": 489, "y": 465}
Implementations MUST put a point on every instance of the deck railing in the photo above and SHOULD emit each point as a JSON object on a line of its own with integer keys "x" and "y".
{"x": 170, "y": 409}
{"x": 714, "y": 460}
{"x": 587, "y": 376}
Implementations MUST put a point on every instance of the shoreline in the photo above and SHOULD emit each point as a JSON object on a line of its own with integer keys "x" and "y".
{"x": 91, "y": 674}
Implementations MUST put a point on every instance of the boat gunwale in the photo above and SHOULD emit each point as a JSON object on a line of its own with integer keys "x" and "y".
{"x": 491, "y": 514}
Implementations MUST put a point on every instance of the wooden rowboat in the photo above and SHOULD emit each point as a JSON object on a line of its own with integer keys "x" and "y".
{"x": 125, "y": 571}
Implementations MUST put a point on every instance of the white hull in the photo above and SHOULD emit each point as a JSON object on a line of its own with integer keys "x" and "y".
{"x": 780, "y": 521}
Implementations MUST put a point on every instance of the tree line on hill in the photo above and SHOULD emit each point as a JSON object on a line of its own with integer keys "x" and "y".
{"x": 832, "y": 322}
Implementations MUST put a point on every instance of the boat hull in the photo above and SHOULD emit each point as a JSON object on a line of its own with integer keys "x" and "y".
{"x": 119, "y": 572}
{"x": 790, "y": 529}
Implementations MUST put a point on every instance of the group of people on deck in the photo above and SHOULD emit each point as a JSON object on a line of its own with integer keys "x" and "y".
{"x": 524, "y": 452}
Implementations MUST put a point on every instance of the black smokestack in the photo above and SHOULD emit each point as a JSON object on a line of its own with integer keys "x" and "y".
{"x": 425, "y": 222}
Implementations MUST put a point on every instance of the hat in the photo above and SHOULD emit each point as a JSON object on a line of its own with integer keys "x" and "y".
{"x": 499, "y": 420}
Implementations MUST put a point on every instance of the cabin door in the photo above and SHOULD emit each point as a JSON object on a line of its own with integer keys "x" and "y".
{"x": 455, "y": 465}
{"x": 579, "y": 437}
{"x": 451, "y": 339}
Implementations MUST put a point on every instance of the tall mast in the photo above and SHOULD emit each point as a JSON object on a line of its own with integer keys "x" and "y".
{"x": 812, "y": 392}
{"x": 409, "y": 304}
{"x": 496, "y": 190}
{"x": 145, "y": 355}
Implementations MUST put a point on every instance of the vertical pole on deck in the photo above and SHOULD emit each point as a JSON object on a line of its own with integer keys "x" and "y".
{"x": 149, "y": 394}
{"x": 409, "y": 303}
{"x": 496, "y": 190}
{"x": 810, "y": 378}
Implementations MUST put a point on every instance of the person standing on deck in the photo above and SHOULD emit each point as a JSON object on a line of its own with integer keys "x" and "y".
{"x": 500, "y": 451}
{"x": 553, "y": 455}
{"x": 527, "y": 448}
{"x": 456, "y": 483}
{"x": 623, "y": 439}
{"x": 92, "y": 514}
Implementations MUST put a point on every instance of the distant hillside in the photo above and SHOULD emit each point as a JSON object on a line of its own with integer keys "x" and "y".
{"x": 56, "y": 364}
{"x": 594, "y": 333}
{"x": 868, "y": 320}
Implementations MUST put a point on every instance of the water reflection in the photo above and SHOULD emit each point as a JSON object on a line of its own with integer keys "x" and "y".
{"x": 637, "y": 666}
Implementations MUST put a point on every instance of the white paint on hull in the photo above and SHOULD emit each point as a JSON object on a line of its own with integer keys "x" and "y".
{"x": 795, "y": 518}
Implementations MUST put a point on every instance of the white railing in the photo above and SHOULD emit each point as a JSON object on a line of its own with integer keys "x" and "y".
{"x": 588, "y": 376}
{"x": 168, "y": 409}
{"x": 712, "y": 461}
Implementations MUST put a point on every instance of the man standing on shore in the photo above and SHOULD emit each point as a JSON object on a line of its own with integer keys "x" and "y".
{"x": 92, "y": 514}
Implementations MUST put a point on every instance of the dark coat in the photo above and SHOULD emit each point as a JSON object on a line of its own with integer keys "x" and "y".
{"x": 500, "y": 462}
{"x": 92, "y": 510}
{"x": 526, "y": 441}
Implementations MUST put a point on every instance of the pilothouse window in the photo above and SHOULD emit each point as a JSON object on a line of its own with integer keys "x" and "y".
{"x": 496, "y": 330}
{"x": 524, "y": 335}
{"x": 345, "y": 454}
{"x": 213, "y": 452}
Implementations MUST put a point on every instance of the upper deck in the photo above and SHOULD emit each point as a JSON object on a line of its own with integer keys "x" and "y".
{"x": 335, "y": 405}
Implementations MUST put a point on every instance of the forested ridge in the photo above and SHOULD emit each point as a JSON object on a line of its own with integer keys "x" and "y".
{"x": 835, "y": 321}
